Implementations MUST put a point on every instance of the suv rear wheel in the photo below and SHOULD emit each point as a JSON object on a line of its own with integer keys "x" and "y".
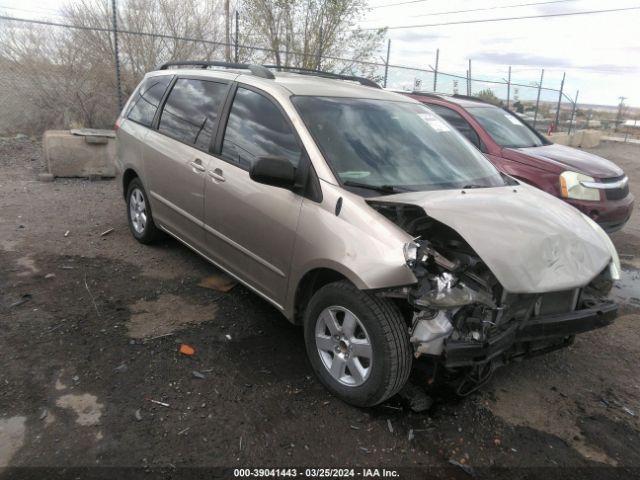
{"x": 139, "y": 214}
{"x": 357, "y": 343}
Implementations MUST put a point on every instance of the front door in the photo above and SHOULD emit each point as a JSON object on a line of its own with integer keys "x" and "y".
{"x": 251, "y": 227}
{"x": 177, "y": 158}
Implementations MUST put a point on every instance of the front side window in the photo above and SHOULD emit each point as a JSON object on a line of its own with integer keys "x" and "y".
{"x": 458, "y": 122}
{"x": 144, "y": 105}
{"x": 389, "y": 145}
{"x": 257, "y": 128}
{"x": 191, "y": 111}
{"x": 505, "y": 128}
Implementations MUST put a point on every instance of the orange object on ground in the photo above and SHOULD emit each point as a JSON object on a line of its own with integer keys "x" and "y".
{"x": 187, "y": 349}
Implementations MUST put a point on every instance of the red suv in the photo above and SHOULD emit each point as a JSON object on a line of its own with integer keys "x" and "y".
{"x": 592, "y": 184}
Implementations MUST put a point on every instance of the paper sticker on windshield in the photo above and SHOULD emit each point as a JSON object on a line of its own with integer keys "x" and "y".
{"x": 434, "y": 122}
{"x": 513, "y": 119}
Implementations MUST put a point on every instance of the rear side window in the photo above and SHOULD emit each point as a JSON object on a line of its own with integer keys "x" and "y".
{"x": 458, "y": 122}
{"x": 257, "y": 128}
{"x": 144, "y": 105}
{"x": 191, "y": 111}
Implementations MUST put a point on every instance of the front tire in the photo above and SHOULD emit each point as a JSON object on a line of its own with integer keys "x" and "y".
{"x": 357, "y": 343}
{"x": 139, "y": 214}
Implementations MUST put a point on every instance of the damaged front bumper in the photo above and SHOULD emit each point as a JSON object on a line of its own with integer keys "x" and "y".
{"x": 535, "y": 336}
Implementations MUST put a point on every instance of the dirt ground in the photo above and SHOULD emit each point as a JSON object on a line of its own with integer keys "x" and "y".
{"x": 90, "y": 327}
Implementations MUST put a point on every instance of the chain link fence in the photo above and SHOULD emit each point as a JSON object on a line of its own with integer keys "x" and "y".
{"x": 58, "y": 76}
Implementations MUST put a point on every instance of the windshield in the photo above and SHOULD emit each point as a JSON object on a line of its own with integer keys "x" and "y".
{"x": 505, "y": 129}
{"x": 393, "y": 146}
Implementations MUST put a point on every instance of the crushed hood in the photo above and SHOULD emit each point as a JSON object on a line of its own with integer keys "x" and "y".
{"x": 531, "y": 241}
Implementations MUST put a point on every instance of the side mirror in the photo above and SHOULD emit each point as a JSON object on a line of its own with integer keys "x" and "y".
{"x": 274, "y": 171}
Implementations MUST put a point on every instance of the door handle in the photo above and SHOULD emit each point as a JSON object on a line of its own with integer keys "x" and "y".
{"x": 197, "y": 166}
{"x": 216, "y": 175}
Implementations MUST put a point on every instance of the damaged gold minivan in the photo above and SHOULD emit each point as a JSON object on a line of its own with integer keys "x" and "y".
{"x": 363, "y": 216}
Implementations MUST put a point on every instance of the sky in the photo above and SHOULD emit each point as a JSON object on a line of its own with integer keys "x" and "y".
{"x": 600, "y": 53}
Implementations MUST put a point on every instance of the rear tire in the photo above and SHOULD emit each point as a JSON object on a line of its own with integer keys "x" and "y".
{"x": 357, "y": 343}
{"x": 139, "y": 214}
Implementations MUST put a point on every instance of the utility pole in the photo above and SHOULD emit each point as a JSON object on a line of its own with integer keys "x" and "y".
{"x": 535, "y": 115}
{"x": 435, "y": 71}
{"x": 620, "y": 108}
{"x": 227, "y": 36}
{"x": 508, "y": 87}
{"x": 386, "y": 63}
{"x": 237, "y": 33}
{"x": 114, "y": 12}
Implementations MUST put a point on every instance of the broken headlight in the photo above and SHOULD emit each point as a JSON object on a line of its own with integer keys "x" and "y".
{"x": 410, "y": 252}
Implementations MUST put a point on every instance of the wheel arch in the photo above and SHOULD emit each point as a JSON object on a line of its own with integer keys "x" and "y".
{"x": 127, "y": 176}
{"x": 308, "y": 285}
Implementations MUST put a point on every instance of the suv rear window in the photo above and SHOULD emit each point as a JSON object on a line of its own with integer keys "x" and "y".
{"x": 257, "y": 128}
{"x": 191, "y": 111}
{"x": 457, "y": 121}
{"x": 144, "y": 105}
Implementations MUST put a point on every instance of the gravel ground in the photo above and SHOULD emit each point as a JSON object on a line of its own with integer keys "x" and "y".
{"x": 90, "y": 327}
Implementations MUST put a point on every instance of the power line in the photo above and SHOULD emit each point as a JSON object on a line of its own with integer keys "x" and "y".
{"x": 399, "y": 3}
{"x": 504, "y": 19}
{"x": 493, "y": 8}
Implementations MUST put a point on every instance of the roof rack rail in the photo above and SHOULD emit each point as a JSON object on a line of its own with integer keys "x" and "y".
{"x": 428, "y": 94}
{"x": 309, "y": 71}
{"x": 257, "y": 70}
{"x": 469, "y": 97}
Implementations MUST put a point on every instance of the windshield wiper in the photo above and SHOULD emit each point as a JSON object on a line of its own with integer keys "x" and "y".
{"x": 375, "y": 188}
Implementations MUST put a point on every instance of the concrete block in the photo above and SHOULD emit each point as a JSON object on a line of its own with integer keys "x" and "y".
{"x": 560, "y": 138}
{"x": 590, "y": 138}
{"x": 79, "y": 155}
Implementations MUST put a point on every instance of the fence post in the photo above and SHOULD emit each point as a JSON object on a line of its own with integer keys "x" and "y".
{"x": 470, "y": 85}
{"x": 435, "y": 71}
{"x": 508, "y": 87}
{"x": 386, "y": 63}
{"x": 237, "y": 34}
{"x": 117, "y": 53}
{"x": 559, "y": 102}
{"x": 319, "y": 59}
{"x": 227, "y": 34}
{"x": 573, "y": 111}
{"x": 535, "y": 115}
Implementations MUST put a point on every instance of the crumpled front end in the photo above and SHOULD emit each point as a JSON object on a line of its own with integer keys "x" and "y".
{"x": 463, "y": 316}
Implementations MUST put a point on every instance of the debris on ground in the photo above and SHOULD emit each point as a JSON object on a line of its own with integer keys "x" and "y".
{"x": 389, "y": 426}
{"x": 228, "y": 337}
{"x": 411, "y": 435}
{"x": 23, "y": 299}
{"x": 66, "y": 234}
{"x": 629, "y": 411}
{"x": 49, "y": 275}
{"x": 121, "y": 368}
{"x": 158, "y": 402}
{"x": 197, "y": 374}
{"x": 219, "y": 282}
{"x": 465, "y": 468}
{"x": 43, "y": 414}
{"x": 138, "y": 415}
{"x": 416, "y": 398}
{"x": 183, "y": 431}
{"x": 106, "y": 232}
{"x": 187, "y": 350}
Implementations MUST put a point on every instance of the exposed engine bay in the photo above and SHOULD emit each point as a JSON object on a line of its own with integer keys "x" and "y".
{"x": 461, "y": 315}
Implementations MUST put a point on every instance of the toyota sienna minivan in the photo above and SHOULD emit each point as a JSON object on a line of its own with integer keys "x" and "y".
{"x": 362, "y": 216}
